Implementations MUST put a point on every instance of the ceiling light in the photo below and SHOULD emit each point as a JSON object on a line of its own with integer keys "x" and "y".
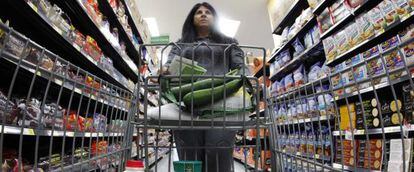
{"x": 228, "y": 27}
{"x": 153, "y": 26}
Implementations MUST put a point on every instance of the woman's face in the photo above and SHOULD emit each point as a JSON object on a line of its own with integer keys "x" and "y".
{"x": 203, "y": 18}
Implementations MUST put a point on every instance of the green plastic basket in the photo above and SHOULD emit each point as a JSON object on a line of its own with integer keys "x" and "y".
{"x": 187, "y": 166}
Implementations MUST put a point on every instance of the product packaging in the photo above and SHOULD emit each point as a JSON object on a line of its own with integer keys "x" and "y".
{"x": 314, "y": 72}
{"x": 330, "y": 48}
{"x": 289, "y": 83}
{"x": 285, "y": 34}
{"x": 371, "y": 52}
{"x": 339, "y": 11}
{"x": 354, "y": 3}
{"x": 315, "y": 34}
{"x": 347, "y": 116}
{"x": 353, "y": 35}
{"x": 297, "y": 45}
{"x": 99, "y": 122}
{"x": 376, "y": 18}
{"x": 14, "y": 46}
{"x": 407, "y": 33}
{"x": 390, "y": 43}
{"x": 325, "y": 20}
{"x": 393, "y": 60}
{"x": 408, "y": 51}
{"x": 298, "y": 76}
{"x": 389, "y": 11}
{"x": 341, "y": 42}
{"x": 308, "y": 40}
{"x": 375, "y": 67}
{"x": 365, "y": 27}
{"x": 403, "y": 8}
{"x": 360, "y": 73}
{"x": 285, "y": 57}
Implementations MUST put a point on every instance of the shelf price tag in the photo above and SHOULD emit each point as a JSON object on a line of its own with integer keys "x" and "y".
{"x": 348, "y": 135}
{"x": 30, "y": 132}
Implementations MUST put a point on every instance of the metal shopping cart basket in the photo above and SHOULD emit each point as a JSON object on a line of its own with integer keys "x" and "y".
{"x": 173, "y": 115}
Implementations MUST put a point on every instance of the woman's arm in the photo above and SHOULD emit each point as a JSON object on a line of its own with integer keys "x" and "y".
{"x": 237, "y": 58}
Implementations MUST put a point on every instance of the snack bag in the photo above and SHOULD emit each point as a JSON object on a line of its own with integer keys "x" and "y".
{"x": 285, "y": 57}
{"x": 330, "y": 48}
{"x": 308, "y": 40}
{"x": 403, "y": 8}
{"x": 376, "y": 18}
{"x": 289, "y": 83}
{"x": 314, "y": 71}
{"x": 389, "y": 11}
{"x": 297, "y": 45}
{"x": 299, "y": 77}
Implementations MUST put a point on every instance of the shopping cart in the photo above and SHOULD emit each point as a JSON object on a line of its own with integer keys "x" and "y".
{"x": 160, "y": 119}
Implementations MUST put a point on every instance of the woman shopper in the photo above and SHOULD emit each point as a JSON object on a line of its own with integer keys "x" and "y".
{"x": 214, "y": 146}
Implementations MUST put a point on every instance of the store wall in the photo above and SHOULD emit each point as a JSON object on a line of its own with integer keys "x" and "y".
{"x": 254, "y": 29}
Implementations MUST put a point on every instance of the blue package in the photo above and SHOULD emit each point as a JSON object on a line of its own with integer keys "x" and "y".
{"x": 299, "y": 48}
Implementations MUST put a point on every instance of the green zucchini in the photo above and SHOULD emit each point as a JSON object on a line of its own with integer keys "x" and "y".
{"x": 199, "y": 85}
{"x": 204, "y": 96}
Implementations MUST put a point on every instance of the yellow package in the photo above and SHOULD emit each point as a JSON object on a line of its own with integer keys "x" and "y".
{"x": 348, "y": 117}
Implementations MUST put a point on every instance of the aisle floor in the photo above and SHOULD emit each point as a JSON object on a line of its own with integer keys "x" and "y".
{"x": 163, "y": 163}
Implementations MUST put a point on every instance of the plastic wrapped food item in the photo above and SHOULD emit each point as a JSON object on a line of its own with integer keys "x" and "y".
{"x": 285, "y": 57}
{"x": 389, "y": 11}
{"x": 393, "y": 60}
{"x": 336, "y": 81}
{"x": 99, "y": 122}
{"x": 6, "y": 108}
{"x": 376, "y": 18}
{"x": 325, "y": 71}
{"x": 365, "y": 27}
{"x": 407, "y": 33}
{"x": 314, "y": 72}
{"x": 390, "y": 43}
{"x": 324, "y": 101}
{"x": 28, "y": 113}
{"x": 316, "y": 37}
{"x": 325, "y": 20}
{"x": 403, "y": 8}
{"x": 53, "y": 116}
{"x": 281, "y": 86}
{"x": 347, "y": 77}
{"x": 298, "y": 76}
{"x": 14, "y": 46}
{"x": 297, "y": 45}
{"x": 308, "y": 40}
{"x": 289, "y": 83}
{"x": 313, "y": 3}
{"x": 330, "y": 48}
{"x": 341, "y": 42}
{"x": 306, "y": 16}
{"x": 92, "y": 48}
{"x": 409, "y": 53}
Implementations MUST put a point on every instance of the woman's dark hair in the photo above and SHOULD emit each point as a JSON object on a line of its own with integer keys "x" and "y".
{"x": 189, "y": 33}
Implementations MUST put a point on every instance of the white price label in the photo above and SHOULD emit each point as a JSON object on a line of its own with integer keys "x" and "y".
{"x": 348, "y": 135}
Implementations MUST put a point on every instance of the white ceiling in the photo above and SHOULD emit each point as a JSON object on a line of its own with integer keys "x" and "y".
{"x": 254, "y": 28}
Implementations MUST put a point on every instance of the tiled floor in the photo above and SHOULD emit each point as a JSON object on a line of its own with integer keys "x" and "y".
{"x": 163, "y": 164}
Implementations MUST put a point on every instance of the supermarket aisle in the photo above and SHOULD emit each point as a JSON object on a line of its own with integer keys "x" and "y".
{"x": 163, "y": 163}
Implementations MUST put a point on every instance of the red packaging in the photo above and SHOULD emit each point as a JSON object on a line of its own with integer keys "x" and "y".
{"x": 353, "y": 3}
{"x": 99, "y": 148}
{"x": 92, "y": 49}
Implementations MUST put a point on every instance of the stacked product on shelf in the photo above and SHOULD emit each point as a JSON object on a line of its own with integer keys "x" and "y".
{"x": 86, "y": 44}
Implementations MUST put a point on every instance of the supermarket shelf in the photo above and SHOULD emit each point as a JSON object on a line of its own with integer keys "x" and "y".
{"x": 79, "y": 54}
{"x": 259, "y": 73}
{"x": 15, "y": 130}
{"x": 57, "y": 79}
{"x": 131, "y": 21}
{"x": 370, "y": 89}
{"x": 318, "y": 157}
{"x": 307, "y": 86}
{"x": 369, "y": 43}
{"x": 357, "y": 11}
{"x": 348, "y": 168}
{"x": 294, "y": 11}
{"x": 160, "y": 156}
{"x": 299, "y": 121}
{"x": 77, "y": 10}
{"x": 303, "y": 30}
{"x": 110, "y": 13}
{"x": 290, "y": 66}
{"x": 387, "y": 130}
